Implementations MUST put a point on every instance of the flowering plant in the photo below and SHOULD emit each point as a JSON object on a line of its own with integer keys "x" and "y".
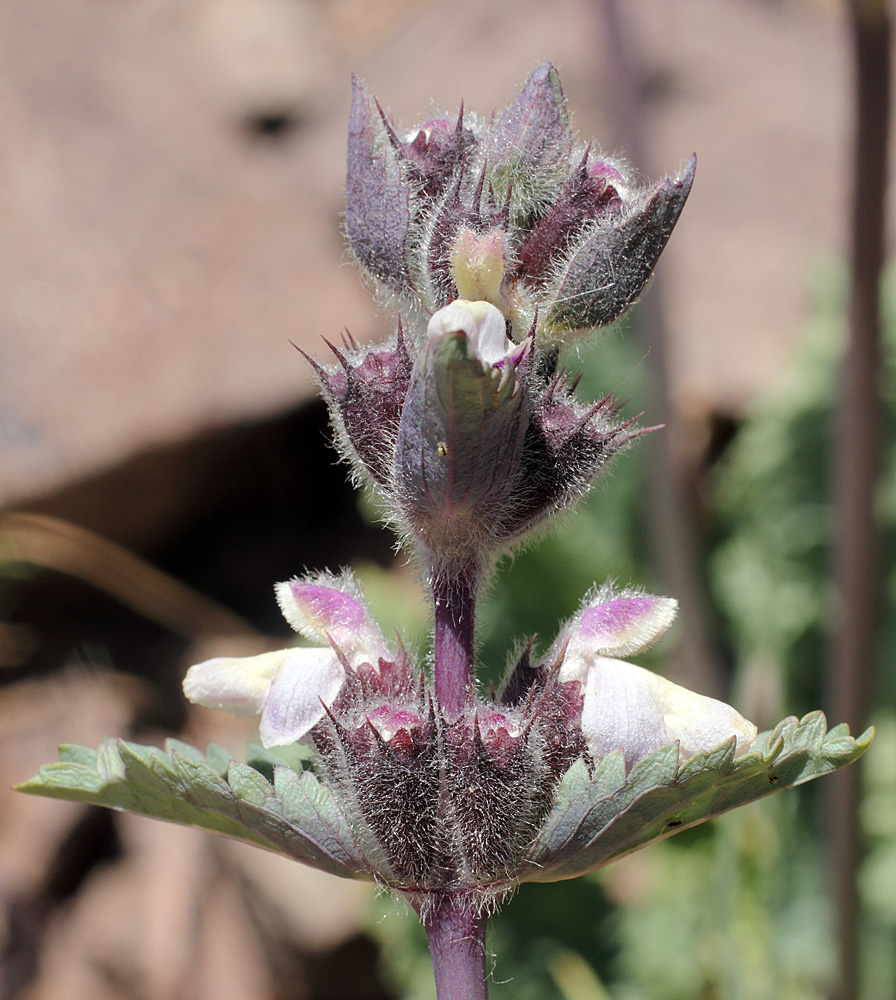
{"x": 498, "y": 242}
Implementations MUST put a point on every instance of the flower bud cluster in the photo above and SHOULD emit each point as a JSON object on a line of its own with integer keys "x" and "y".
{"x": 503, "y": 237}
{"x": 452, "y": 803}
{"x": 471, "y": 438}
{"x": 510, "y": 210}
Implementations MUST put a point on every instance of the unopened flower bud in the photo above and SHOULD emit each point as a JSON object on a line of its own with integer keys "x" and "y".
{"x": 607, "y": 269}
{"x": 377, "y": 199}
{"x": 462, "y": 429}
{"x": 390, "y": 722}
{"x": 478, "y": 265}
{"x": 616, "y": 186}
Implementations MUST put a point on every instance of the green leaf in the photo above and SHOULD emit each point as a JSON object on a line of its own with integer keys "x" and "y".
{"x": 592, "y": 822}
{"x": 599, "y": 813}
{"x": 293, "y": 815}
{"x": 71, "y": 753}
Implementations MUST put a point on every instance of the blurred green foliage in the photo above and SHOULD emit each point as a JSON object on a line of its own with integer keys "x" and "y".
{"x": 736, "y": 909}
{"x": 771, "y": 502}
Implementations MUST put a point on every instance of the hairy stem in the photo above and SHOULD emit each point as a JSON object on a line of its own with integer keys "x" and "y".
{"x": 456, "y": 938}
{"x": 454, "y": 598}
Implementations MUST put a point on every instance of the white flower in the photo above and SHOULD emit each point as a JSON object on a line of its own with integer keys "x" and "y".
{"x": 291, "y": 688}
{"x": 626, "y": 707}
{"x": 485, "y": 329}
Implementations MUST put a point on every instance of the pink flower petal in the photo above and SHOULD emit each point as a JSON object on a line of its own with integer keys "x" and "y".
{"x": 307, "y": 680}
{"x": 610, "y": 624}
{"x": 326, "y": 607}
{"x": 624, "y": 624}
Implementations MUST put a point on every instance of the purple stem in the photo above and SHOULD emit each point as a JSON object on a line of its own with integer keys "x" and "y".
{"x": 456, "y": 938}
{"x": 454, "y": 599}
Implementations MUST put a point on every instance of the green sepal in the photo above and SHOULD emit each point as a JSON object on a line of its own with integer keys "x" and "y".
{"x": 293, "y": 815}
{"x": 601, "y": 814}
{"x": 460, "y": 445}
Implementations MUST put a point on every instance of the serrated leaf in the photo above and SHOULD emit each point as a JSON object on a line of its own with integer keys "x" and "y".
{"x": 590, "y": 826}
{"x": 67, "y": 781}
{"x": 262, "y": 760}
{"x": 610, "y": 773}
{"x": 296, "y": 816}
{"x": 218, "y": 758}
{"x": 248, "y": 784}
{"x": 719, "y": 760}
{"x": 71, "y": 753}
{"x": 109, "y": 764}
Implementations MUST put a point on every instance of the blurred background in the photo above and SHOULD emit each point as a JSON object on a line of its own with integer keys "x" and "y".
{"x": 171, "y": 199}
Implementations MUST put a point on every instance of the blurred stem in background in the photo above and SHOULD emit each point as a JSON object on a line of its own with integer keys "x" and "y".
{"x": 857, "y": 464}
{"x": 857, "y": 447}
{"x": 673, "y": 531}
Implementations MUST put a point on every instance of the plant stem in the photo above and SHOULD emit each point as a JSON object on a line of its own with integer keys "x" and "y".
{"x": 456, "y": 938}
{"x": 857, "y": 466}
{"x": 454, "y": 598}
